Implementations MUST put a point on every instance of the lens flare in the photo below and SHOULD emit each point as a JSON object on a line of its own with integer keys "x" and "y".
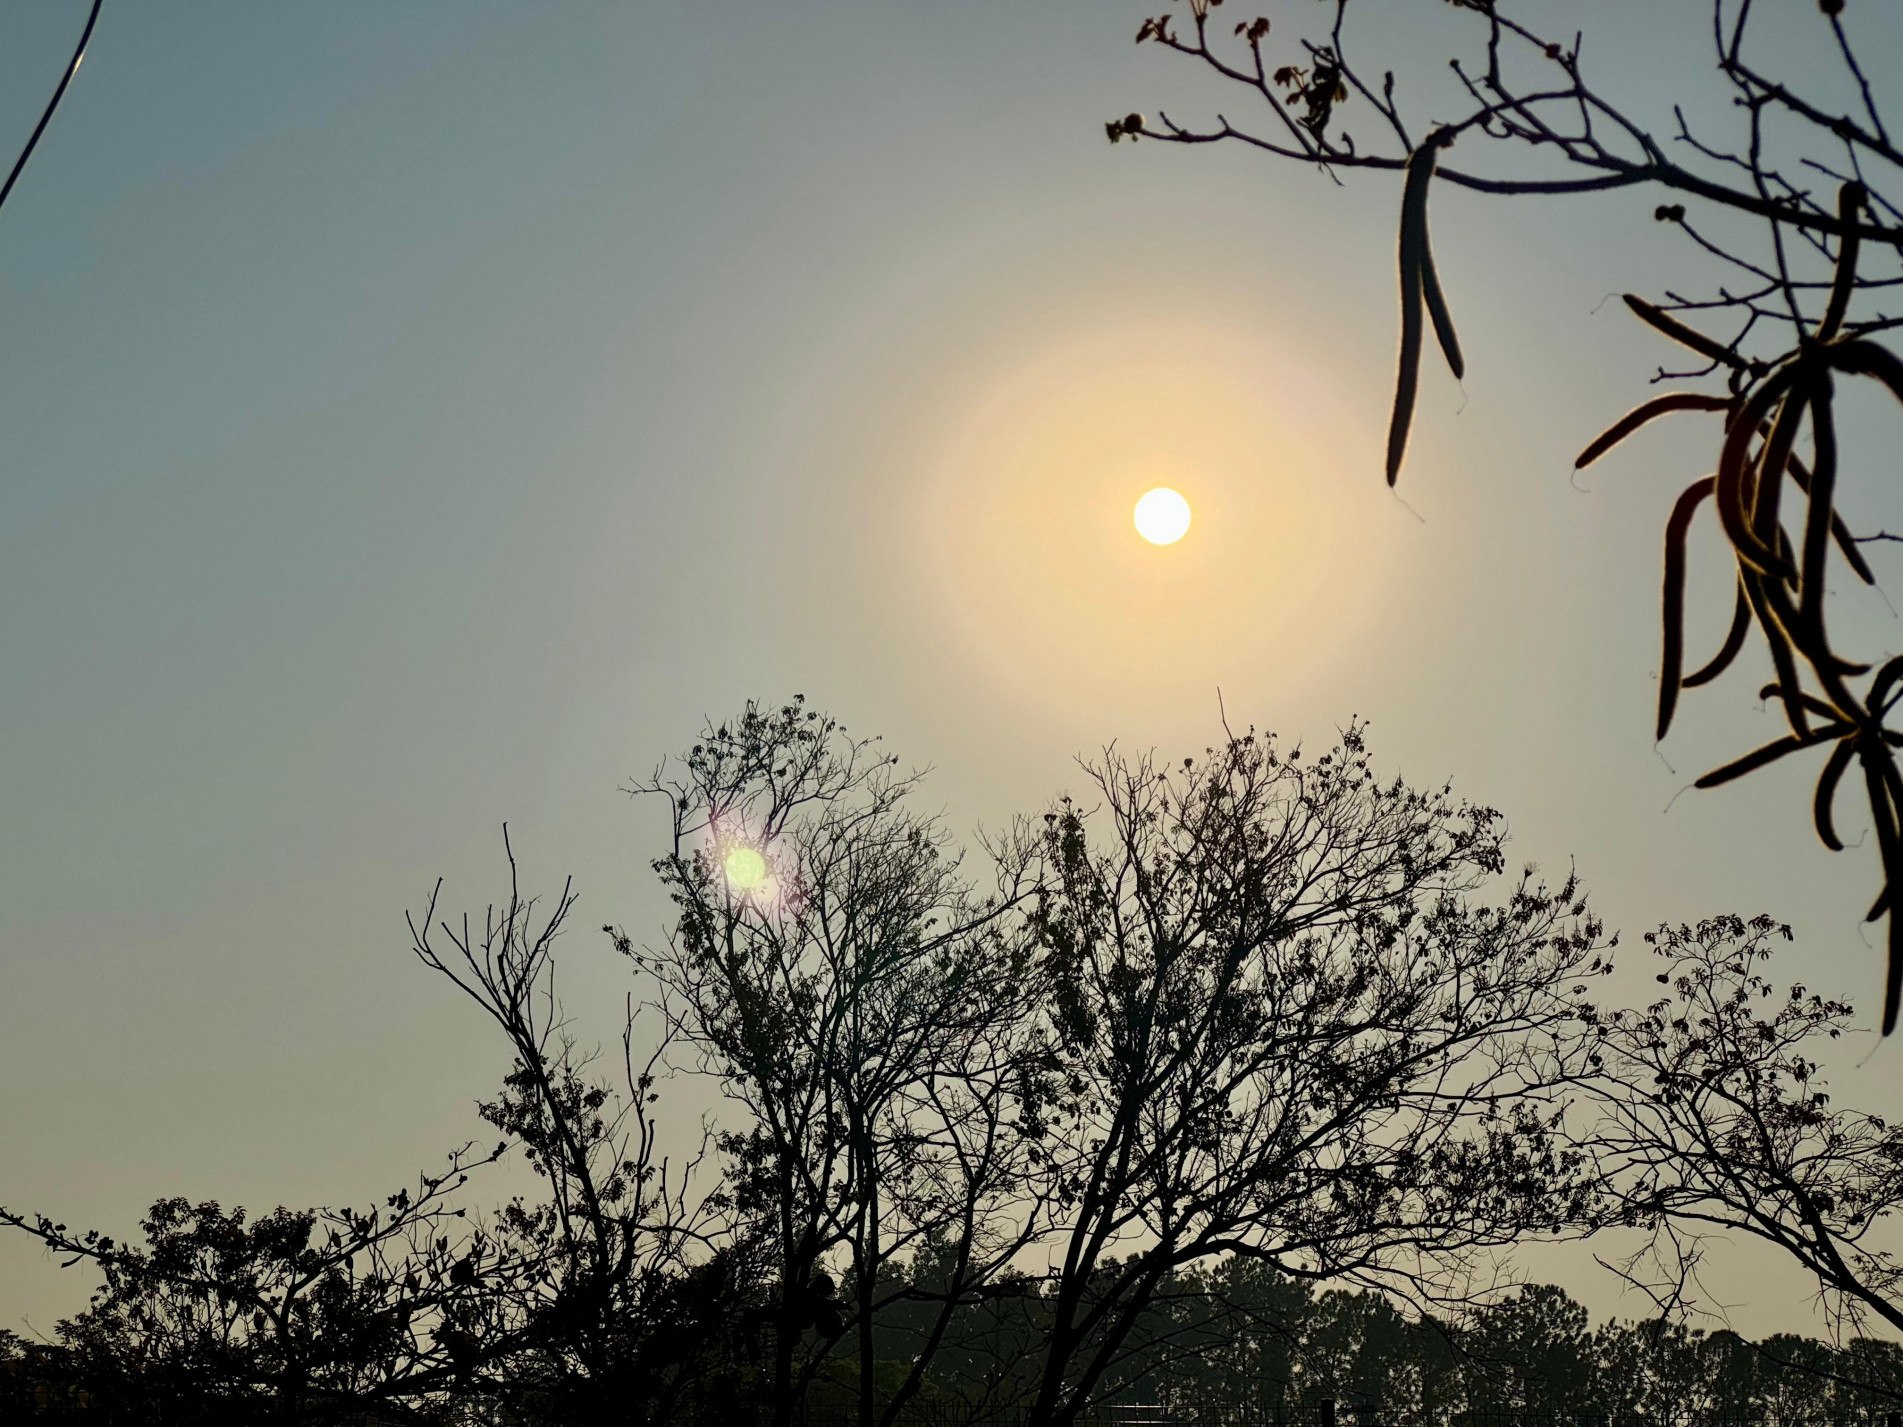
{"x": 745, "y": 869}
{"x": 1162, "y": 516}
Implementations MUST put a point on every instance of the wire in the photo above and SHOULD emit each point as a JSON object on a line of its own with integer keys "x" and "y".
{"x": 65, "y": 79}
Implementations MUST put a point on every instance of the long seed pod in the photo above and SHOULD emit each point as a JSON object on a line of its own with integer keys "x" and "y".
{"x": 1760, "y": 757}
{"x": 1734, "y": 641}
{"x": 1823, "y": 483}
{"x": 1644, "y": 412}
{"x": 1779, "y": 621}
{"x": 1734, "y": 468}
{"x": 1437, "y": 305}
{"x": 1880, "y": 686}
{"x": 1825, "y": 711}
{"x": 1672, "y": 657}
{"x": 1420, "y": 167}
{"x": 1765, "y": 601}
{"x": 1768, "y": 488}
{"x": 1850, "y": 200}
{"x": 1827, "y": 782}
{"x": 1866, "y": 359}
{"x": 1778, "y": 599}
{"x": 1846, "y": 542}
{"x": 1680, "y": 333}
{"x": 1880, "y": 777}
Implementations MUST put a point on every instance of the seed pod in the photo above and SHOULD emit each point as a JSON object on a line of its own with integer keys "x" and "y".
{"x": 1680, "y": 333}
{"x": 1846, "y": 542}
{"x": 1437, "y": 302}
{"x": 1850, "y": 201}
{"x": 1734, "y": 469}
{"x": 1769, "y": 605}
{"x": 1644, "y": 412}
{"x": 1866, "y": 359}
{"x": 1880, "y": 777}
{"x": 1758, "y": 758}
{"x": 1672, "y": 658}
{"x": 1774, "y": 456}
{"x": 1827, "y": 782}
{"x": 1810, "y": 702}
{"x": 1810, "y": 588}
{"x": 1420, "y": 167}
{"x": 1880, "y": 686}
{"x": 1734, "y": 641}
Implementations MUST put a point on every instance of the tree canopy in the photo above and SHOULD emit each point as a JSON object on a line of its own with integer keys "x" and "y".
{"x": 1230, "y": 1082}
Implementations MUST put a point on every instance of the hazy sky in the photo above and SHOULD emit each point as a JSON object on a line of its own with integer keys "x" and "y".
{"x": 418, "y": 415}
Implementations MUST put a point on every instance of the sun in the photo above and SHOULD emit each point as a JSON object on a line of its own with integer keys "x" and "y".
{"x": 1162, "y": 516}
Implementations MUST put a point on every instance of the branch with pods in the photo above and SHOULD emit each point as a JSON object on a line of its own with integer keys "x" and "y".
{"x": 1805, "y": 322}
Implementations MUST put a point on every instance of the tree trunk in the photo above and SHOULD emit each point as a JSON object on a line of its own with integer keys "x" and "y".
{"x": 868, "y": 1274}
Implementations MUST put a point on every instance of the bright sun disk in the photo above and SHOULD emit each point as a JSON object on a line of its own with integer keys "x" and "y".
{"x": 1162, "y": 516}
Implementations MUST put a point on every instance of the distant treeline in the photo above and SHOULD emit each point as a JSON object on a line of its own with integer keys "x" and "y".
{"x": 1229, "y": 1086}
{"x": 1238, "y": 1343}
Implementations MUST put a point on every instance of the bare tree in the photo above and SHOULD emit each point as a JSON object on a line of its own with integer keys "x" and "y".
{"x": 867, "y": 1008}
{"x": 1288, "y": 1030}
{"x": 1714, "y": 1118}
{"x": 621, "y": 1225}
{"x": 595, "y": 1303}
{"x": 1794, "y": 313}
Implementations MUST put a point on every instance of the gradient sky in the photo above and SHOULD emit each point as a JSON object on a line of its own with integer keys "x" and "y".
{"x": 418, "y": 415}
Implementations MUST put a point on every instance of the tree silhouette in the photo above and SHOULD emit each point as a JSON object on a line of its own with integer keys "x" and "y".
{"x": 600, "y": 1269}
{"x": 296, "y": 1316}
{"x": 1288, "y": 1028}
{"x": 1216, "y": 1089}
{"x": 1714, "y": 1117}
{"x": 868, "y": 1008}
